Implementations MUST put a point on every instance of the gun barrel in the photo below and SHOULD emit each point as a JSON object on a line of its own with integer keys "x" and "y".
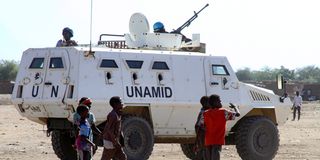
{"x": 204, "y": 7}
{"x": 188, "y": 22}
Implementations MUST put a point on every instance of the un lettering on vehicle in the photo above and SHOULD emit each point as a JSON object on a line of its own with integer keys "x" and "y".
{"x": 54, "y": 91}
{"x": 148, "y": 92}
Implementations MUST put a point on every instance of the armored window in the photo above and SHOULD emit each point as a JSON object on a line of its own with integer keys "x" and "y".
{"x": 56, "y": 62}
{"x": 37, "y": 63}
{"x": 160, "y": 65}
{"x": 134, "y": 64}
{"x": 108, "y": 63}
{"x": 219, "y": 70}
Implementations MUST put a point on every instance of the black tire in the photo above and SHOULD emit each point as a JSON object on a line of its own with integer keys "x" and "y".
{"x": 188, "y": 151}
{"x": 62, "y": 145}
{"x": 138, "y": 138}
{"x": 257, "y": 138}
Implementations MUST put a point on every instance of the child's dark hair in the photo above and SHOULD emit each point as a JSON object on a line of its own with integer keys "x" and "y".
{"x": 114, "y": 101}
{"x": 82, "y": 99}
{"x": 204, "y": 101}
{"x": 214, "y": 101}
{"x": 81, "y": 109}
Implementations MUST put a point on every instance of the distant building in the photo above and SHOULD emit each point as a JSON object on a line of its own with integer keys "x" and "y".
{"x": 311, "y": 92}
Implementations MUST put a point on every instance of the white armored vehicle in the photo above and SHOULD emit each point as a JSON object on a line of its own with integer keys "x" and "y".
{"x": 160, "y": 79}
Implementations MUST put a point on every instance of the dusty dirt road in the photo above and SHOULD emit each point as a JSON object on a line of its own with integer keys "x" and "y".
{"x": 23, "y": 139}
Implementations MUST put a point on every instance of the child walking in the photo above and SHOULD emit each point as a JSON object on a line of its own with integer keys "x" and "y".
{"x": 112, "y": 148}
{"x": 83, "y": 143}
{"x": 86, "y": 102}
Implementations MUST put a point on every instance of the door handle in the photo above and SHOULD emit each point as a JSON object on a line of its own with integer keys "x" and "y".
{"x": 214, "y": 83}
{"x": 47, "y": 83}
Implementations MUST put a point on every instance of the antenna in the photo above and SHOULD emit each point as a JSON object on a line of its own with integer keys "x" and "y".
{"x": 90, "y": 52}
{"x": 91, "y": 27}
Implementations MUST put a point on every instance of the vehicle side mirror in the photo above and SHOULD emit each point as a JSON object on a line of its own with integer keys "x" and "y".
{"x": 280, "y": 81}
{"x": 282, "y": 86}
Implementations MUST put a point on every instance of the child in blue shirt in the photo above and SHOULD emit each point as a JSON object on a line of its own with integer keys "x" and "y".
{"x": 85, "y": 102}
{"x": 83, "y": 143}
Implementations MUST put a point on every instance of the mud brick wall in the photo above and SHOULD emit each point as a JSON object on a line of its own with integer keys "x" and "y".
{"x": 6, "y": 87}
{"x": 306, "y": 90}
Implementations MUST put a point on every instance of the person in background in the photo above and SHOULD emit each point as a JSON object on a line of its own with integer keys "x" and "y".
{"x": 200, "y": 129}
{"x": 215, "y": 120}
{"x": 112, "y": 148}
{"x": 66, "y": 41}
{"x": 297, "y": 103}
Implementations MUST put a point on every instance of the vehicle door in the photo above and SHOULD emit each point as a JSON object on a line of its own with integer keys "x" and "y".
{"x": 221, "y": 80}
{"x": 134, "y": 80}
{"x": 56, "y": 82}
{"x": 30, "y": 80}
{"x": 107, "y": 81}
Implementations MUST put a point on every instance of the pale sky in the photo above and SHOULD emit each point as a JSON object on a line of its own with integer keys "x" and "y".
{"x": 250, "y": 33}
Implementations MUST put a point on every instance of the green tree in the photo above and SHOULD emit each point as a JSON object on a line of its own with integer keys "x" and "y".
{"x": 244, "y": 74}
{"x": 8, "y": 70}
{"x": 287, "y": 73}
{"x": 264, "y": 74}
{"x": 308, "y": 74}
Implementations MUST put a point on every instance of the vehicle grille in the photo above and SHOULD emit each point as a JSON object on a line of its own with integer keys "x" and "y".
{"x": 258, "y": 96}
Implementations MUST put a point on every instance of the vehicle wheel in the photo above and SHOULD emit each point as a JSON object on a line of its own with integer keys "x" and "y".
{"x": 187, "y": 149}
{"x": 62, "y": 145}
{"x": 257, "y": 138}
{"x": 138, "y": 138}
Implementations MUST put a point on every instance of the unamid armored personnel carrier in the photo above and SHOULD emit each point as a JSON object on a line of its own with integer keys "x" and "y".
{"x": 160, "y": 79}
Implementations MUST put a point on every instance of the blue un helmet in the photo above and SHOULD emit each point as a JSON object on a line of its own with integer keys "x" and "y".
{"x": 158, "y": 27}
{"x": 67, "y": 30}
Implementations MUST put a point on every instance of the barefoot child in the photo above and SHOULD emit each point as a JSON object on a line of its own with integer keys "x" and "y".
{"x": 112, "y": 148}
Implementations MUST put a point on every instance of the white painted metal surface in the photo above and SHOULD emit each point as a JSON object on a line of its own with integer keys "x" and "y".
{"x": 151, "y": 74}
{"x": 173, "y": 101}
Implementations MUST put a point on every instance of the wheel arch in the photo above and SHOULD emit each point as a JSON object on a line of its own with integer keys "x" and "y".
{"x": 139, "y": 111}
{"x": 59, "y": 124}
{"x": 266, "y": 112}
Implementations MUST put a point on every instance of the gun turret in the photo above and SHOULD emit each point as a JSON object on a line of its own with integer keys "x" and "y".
{"x": 188, "y": 22}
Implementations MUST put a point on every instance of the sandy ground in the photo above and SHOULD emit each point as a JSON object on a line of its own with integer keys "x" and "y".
{"x": 23, "y": 139}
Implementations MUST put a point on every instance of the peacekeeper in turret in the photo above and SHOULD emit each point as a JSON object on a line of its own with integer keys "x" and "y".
{"x": 158, "y": 27}
{"x": 66, "y": 41}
